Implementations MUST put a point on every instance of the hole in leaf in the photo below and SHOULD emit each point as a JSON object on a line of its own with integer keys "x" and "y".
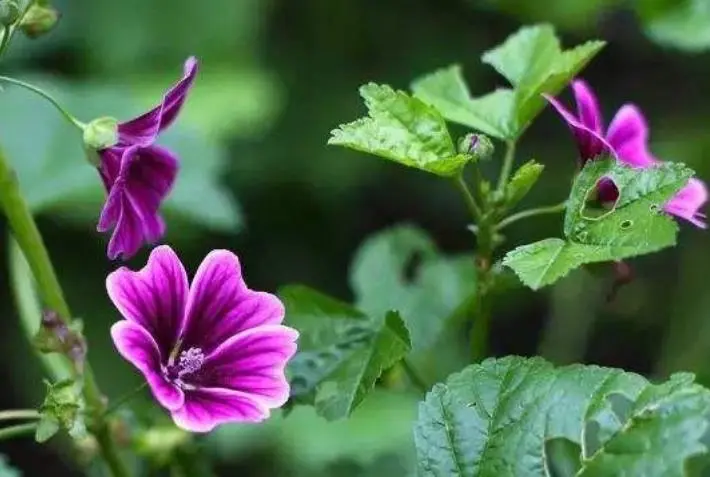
{"x": 626, "y": 224}
{"x": 563, "y": 457}
{"x": 601, "y": 199}
{"x": 654, "y": 208}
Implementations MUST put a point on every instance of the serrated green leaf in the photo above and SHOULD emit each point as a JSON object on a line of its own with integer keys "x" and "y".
{"x": 401, "y": 269}
{"x": 342, "y": 352}
{"x": 403, "y": 129}
{"x": 681, "y": 24}
{"x": 446, "y": 90}
{"x": 635, "y": 225}
{"x": 495, "y": 418}
{"x": 534, "y": 62}
{"x": 522, "y": 181}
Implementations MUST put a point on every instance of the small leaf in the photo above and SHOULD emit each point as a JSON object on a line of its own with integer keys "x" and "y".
{"x": 495, "y": 418}
{"x": 446, "y": 90}
{"x": 634, "y": 226}
{"x": 342, "y": 352}
{"x": 62, "y": 409}
{"x": 522, "y": 181}
{"x": 401, "y": 269}
{"x": 403, "y": 129}
{"x": 681, "y": 24}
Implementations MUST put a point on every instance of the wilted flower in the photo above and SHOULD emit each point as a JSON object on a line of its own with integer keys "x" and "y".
{"x": 627, "y": 139}
{"x": 139, "y": 174}
{"x": 212, "y": 352}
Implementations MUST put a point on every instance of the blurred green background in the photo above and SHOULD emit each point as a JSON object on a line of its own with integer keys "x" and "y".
{"x": 257, "y": 178}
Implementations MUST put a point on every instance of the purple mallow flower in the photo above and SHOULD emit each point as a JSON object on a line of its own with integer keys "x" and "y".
{"x": 138, "y": 174}
{"x": 212, "y": 352}
{"x": 627, "y": 139}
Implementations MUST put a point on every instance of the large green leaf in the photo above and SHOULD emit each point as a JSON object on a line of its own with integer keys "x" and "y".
{"x": 342, "y": 352}
{"x": 446, "y": 90}
{"x": 495, "y": 418}
{"x": 635, "y": 225}
{"x": 401, "y": 269}
{"x": 534, "y": 63}
{"x": 403, "y": 129}
{"x": 55, "y": 176}
{"x": 682, "y": 24}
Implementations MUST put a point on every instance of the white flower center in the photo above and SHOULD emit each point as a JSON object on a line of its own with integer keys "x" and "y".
{"x": 190, "y": 361}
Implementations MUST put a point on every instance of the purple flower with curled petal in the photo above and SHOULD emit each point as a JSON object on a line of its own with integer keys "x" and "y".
{"x": 213, "y": 351}
{"x": 138, "y": 174}
{"x": 627, "y": 139}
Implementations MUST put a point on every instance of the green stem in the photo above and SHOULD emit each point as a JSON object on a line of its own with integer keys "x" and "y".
{"x": 46, "y": 96}
{"x": 121, "y": 400}
{"x": 550, "y": 209}
{"x": 473, "y": 207}
{"x": 413, "y": 376}
{"x": 507, "y": 165}
{"x": 18, "y": 414}
{"x": 25, "y": 231}
{"x": 17, "y": 431}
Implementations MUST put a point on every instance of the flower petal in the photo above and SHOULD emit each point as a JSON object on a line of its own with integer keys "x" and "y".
{"x": 110, "y": 165}
{"x": 587, "y": 106}
{"x": 175, "y": 98}
{"x": 136, "y": 345}
{"x": 153, "y": 297}
{"x": 687, "y": 203}
{"x": 145, "y": 128}
{"x": 206, "y": 408}
{"x": 220, "y": 305}
{"x": 253, "y": 362}
{"x": 589, "y": 142}
{"x": 127, "y": 236}
{"x": 628, "y": 136}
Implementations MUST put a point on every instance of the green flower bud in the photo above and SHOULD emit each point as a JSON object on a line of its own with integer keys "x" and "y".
{"x": 477, "y": 145}
{"x": 9, "y": 12}
{"x": 38, "y": 20}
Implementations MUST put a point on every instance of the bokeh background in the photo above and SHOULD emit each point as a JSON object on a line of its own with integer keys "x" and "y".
{"x": 258, "y": 178}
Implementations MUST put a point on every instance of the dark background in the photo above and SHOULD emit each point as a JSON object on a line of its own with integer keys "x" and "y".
{"x": 276, "y": 77}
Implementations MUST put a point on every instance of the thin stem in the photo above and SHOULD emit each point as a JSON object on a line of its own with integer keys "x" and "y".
{"x": 121, "y": 400}
{"x": 413, "y": 376}
{"x": 507, "y": 165}
{"x": 46, "y": 96}
{"x": 17, "y": 431}
{"x": 5, "y": 40}
{"x": 25, "y": 231}
{"x": 473, "y": 207}
{"x": 550, "y": 209}
{"x": 18, "y": 414}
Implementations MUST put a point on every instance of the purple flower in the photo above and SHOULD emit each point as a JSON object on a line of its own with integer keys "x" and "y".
{"x": 212, "y": 352}
{"x": 138, "y": 174}
{"x": 627, "y": 139}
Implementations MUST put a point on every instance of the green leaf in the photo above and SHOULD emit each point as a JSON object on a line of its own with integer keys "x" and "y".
{"x": 401, "y": 269}
{"x": 681, "y": 24}
{"x": 495, "y": 418}
{"x": 56, "y": 177}
{"x": 342, "y": 352}
{"x": 522, "y": 181}
{"x": 534, "y": 63}
{"x": 403, "y": 129}
{"x": 446, "y": 90}
{"x": 62, "y": 409}
{"x": 636, "y": 225}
